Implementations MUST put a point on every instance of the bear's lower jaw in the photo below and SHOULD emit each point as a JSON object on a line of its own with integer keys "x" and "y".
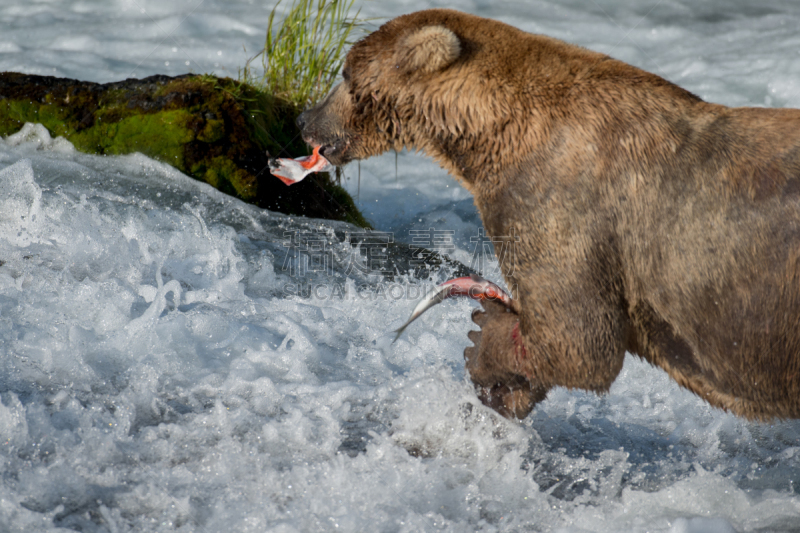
{"x": 336, "y": 152}
{"x": 328, "y": 151}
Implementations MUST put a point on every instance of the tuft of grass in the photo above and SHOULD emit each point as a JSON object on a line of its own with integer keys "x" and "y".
{"x": 302, "y": 57}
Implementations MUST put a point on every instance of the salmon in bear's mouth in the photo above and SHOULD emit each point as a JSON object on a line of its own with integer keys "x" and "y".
{"x": 290, "y": 171}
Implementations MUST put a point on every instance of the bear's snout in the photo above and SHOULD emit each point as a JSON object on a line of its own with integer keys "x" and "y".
{"x": 301, "y": 120}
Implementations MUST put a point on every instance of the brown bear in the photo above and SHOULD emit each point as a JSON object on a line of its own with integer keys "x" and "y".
{"x": 643, "y": 219}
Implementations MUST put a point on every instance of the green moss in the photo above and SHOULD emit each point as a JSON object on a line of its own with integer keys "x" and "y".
{"x": 15, "y": 113}
{"x": 224, "y": 175}
{"x": 213, "y": 131}
{"x": 217, "y": 130}
{"x": 159, "y": 135}
{"x": 52, "y": 117}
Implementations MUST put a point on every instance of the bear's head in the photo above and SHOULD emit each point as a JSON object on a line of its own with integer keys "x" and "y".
{"x": 360, "y": 116}
{"x": 455, "y": 86}
{"x": 475, "y": 94}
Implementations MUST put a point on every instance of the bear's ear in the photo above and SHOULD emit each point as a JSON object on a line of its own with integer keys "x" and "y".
{"x": 427, "y": 50}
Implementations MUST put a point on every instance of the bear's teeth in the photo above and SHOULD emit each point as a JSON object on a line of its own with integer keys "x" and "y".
{"x": 290, "y": 171}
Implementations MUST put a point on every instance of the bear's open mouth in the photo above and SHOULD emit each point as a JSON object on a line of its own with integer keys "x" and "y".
{"x": 333, "y": 151}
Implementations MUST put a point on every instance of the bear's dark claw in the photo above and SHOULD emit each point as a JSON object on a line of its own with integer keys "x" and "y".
{"x": 493, "y": 364}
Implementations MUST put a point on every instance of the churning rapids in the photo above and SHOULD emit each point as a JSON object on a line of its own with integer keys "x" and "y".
{"x": 172, "y": 359}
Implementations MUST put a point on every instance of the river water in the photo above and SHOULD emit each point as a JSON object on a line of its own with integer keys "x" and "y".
{"x": 175, "y": 360}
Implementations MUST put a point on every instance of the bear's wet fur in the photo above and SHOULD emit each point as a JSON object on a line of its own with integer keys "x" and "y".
{"x": 642, "y": 218}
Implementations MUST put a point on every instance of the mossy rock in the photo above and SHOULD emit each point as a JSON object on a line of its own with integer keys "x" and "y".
{"x": 216, "y": 130}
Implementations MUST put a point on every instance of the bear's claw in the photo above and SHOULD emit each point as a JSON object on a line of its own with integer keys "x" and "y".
{"x": 472, "y": 286}
{"x": 494, "y": 365}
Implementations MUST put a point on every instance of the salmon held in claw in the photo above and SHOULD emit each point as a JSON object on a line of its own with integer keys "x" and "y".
{"x": 472, "y": 286}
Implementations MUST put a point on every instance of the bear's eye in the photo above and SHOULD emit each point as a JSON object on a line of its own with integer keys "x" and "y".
{"x": 346, "y": 74}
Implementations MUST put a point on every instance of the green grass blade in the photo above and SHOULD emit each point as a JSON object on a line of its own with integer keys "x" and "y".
{"x": 302, "y": 57}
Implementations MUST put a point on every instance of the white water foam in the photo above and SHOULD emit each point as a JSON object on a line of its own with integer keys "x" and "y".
{"x": 157, "y": 377}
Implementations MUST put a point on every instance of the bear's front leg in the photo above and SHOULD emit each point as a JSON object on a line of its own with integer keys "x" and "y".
{"x": 494, "y": 363}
